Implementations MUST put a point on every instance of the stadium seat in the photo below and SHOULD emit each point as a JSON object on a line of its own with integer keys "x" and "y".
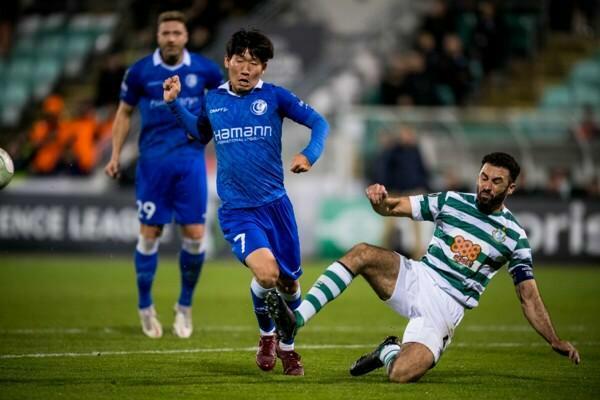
{"x": 557, "y": 96}
{"x": 44, "y": 77}
{"x": 522, "y": 40}
{"x": 586, "y": 72}
{"x": 19, "y": 69}
{"x": 466, "y": 25}
{"x": 52, "y": 24}
{"x": 25, "y": 46}
{"x": 586, "y": 94}
{"x": 29, "y": 26}
{"x": 13, "y": 99}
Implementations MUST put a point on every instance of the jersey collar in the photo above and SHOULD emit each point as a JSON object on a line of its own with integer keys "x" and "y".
{"x": 157, "y": 60}
{"x": 225, "y": 86}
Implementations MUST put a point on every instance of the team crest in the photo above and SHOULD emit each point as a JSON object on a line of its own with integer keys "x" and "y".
{"x": 499, "y": 235}
{"x": 258, "y": 107}
{"x": 191, "y": 80}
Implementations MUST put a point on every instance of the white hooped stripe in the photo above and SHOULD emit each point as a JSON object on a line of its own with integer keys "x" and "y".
{"x": 342, "y": 272}
{"x": 258, "y": 290}
{"x": 193, "y": 246}
{"x": 147, "y": 246}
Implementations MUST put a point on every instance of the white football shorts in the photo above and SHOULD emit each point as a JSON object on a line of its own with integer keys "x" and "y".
{"x": 433, "y": 314}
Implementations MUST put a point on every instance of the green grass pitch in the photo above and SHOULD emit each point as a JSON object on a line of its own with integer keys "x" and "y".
{"x": 69, "y": 330}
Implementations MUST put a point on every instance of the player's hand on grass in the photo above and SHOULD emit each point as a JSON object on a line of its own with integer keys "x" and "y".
{"x": 565, "y": 348}
{"x": 171, "y": 88}
{"x": 376, "y": 193}
{"x": 300, "y": 164}
{"x": 112, "y": 169}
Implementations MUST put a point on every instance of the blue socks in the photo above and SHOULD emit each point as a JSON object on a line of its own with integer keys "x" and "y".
{"x": 265, "y": 323}
{"x": 190, "y": 266}
{"x": 145, "y": 268}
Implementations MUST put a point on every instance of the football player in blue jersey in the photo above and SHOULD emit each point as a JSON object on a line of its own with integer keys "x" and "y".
{"x": 171, "y": 172}
{"x": 244, "y": 116}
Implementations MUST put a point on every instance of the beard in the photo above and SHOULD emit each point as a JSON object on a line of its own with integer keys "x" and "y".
{"x": 170, "y": 56}
{"x": 490, "y": 204}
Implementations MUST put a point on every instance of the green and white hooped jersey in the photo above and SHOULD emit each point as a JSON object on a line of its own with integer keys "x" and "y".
{"x": 468, "y": 247}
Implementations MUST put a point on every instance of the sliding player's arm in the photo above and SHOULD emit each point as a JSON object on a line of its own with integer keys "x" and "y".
{"x": 537, "y": 315}
{"x": 386, "y": 205}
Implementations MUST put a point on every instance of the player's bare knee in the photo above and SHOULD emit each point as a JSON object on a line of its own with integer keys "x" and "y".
{"x": 358, "y": 257}
{"x": 267, "y": 278}
{"x": 194, "y": 231}
{"x": 403, "y": 373}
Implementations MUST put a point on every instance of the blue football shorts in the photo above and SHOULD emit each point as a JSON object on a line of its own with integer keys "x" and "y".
{"x": 171, "y": 186}
{"x": 271, "y": 226}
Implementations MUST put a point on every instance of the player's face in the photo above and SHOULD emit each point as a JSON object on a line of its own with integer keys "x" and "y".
{"x": 171, "y": 37}
{"x": 493, "y": 186}
{"x": 244, "y": 71}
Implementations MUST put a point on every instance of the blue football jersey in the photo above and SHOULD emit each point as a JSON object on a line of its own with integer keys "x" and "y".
{"x": 247, "y": 134}
{"x": 142, "y": 86}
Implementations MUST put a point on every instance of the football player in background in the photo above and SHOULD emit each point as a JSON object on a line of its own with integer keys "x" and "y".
{"x": 475, "y": 235}
{"x": 244, "y": 116}
{"x": 171, "y": 173}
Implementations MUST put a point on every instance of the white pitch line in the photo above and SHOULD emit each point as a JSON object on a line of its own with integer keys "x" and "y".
{"x": 241, "y": 328}
{"x": 253, "y": 349}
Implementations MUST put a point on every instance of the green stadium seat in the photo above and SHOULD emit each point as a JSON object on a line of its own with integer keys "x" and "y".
{"x": 29, "y": 26}
{"x": 557, "y": 96}
{"x": 52, "y": 24}
{"x": 44, "y": 77}
{"x": 522, "y": 33}
{"x": 586, "y": 72}
{"x": 20, "y": 69}
{"x": 586, "y": 94}
{"x": 13, "y": 99}
{"x": 52, "y": 45}
{"x": 466, "y": 25}
{"x": 25, "y": 46}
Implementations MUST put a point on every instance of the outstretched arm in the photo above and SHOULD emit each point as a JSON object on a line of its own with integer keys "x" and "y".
{"x": 386, "y": 205}
{"x": 190, "y": 122}
{"x": 537, "y": 315}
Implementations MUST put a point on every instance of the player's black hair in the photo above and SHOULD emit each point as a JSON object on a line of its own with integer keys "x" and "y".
{"x": 257, "y": 44}
{"x": 503, "y": 160}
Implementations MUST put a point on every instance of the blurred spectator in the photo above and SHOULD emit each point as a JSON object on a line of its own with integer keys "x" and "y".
{"x": 8, "y": 17}
{"x": 393, "y": 78}
{"x": 587, "y": 129}
{"x": 439, "y": 20}
{"x": 419, "y": 87}
{"x": 455, "y": 69}
{"x": 48, "y": 137}
{"x": 407, "y": 82}
{"x": 80, "y": 157}
{"x": 426, "y": 46}
{"x": 108, "y": 85}
{"x": 61, "y": 145}
{"x": 558, "y": 183}
{"x": 592, "y": 188}
{"x": 489, "y": 37}
{"x": 400, "y": 168}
